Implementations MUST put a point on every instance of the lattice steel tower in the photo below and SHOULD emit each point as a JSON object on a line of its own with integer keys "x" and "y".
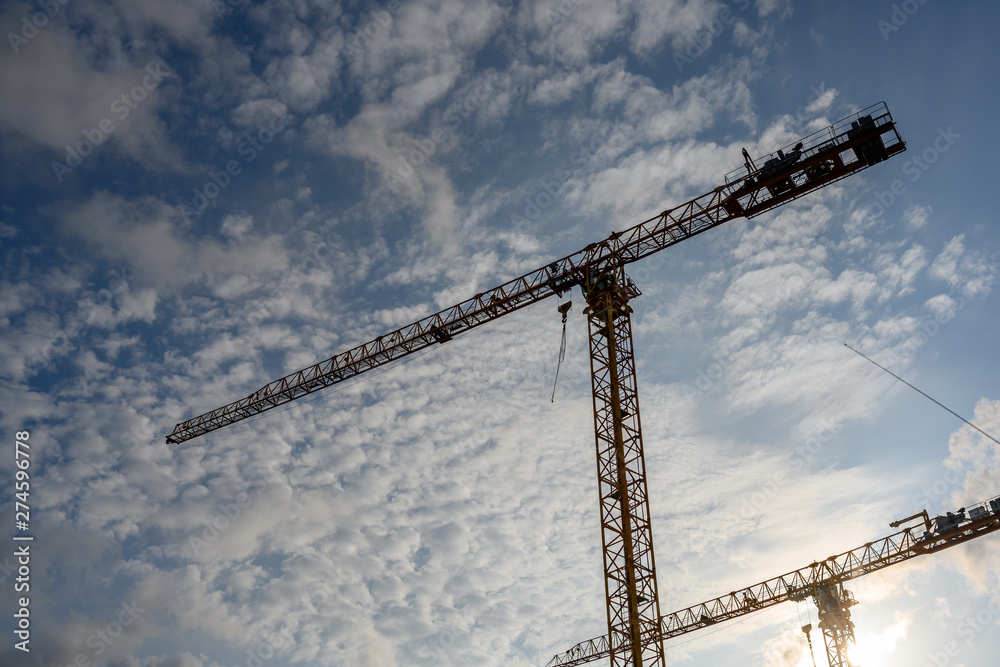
{"x": 838, "y": 151}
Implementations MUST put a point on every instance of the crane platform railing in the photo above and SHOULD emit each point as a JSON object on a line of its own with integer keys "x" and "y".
{"x": 826, "y": 156}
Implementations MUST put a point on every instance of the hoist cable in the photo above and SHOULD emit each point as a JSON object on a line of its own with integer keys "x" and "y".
{"x": 562, "y": 349}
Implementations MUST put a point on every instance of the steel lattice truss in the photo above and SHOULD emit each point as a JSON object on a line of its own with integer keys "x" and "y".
{"x": 827, "y": 156}
{"x": 627, "y": 537}
{"x": 834, "y": 604}
{"x": 847, "y": 147}
{"x": 657, "y": 233}
{"x": 811, "y": 581}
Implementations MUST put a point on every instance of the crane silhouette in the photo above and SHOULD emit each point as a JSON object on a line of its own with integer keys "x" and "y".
{"x": 823, "y": 581}
{"x": 845, "y": 148}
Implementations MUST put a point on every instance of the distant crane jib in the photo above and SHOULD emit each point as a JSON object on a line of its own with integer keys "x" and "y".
{"x": 944, "y": 532}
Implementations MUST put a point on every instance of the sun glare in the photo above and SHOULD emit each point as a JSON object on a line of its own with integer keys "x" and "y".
{"x": 875, "y": 650}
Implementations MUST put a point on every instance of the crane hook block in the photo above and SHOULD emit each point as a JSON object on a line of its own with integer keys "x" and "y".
{"x": 564, "y": 310}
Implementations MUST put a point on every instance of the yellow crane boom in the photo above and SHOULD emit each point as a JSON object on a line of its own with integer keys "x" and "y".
{"x": 821, "y": 581}
{"x": 828, "y": 155}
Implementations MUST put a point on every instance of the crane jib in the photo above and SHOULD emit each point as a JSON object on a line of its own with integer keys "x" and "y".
{"x": 635, "y": 633}
{"x": 930, "y": 537}
{"x": 842, "y": 149}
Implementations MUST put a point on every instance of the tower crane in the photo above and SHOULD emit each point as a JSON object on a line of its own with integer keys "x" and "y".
{"x": 823, "y": 581}
{"x": 836, "y": 152}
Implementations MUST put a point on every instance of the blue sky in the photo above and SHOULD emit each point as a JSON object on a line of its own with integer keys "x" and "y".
{"x": 200, "y": 197}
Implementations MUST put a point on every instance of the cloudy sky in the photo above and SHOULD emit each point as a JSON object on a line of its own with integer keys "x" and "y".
{"x": 198, "y": 197}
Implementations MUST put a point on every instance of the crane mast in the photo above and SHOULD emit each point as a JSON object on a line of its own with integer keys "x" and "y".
{"x": 626, "y": 534}
{"x": 824, "y": 157}
{"x": 822, "y": 581}
{"x": 833, "y": 604}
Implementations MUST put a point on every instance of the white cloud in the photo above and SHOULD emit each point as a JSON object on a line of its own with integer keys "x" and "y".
{"x": 942, "y": 306}
{"x": 945, "y": 266}
{"x": 57, "y": 96}
{"x": 259, "y": 113}
{"x": 435, "y": 512}
{"x": 872, "y": 648}
{"x": 236, "y": 226}
{"x": 970, "y": 273}
{"x": 766, "y": 7}
{"x": 976, "y": 458}
{"x": 916, "y": 216}
{"x": 148, "y": 236}
{"x": 302, "y": 82}
{"x": 900, "y": 274}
